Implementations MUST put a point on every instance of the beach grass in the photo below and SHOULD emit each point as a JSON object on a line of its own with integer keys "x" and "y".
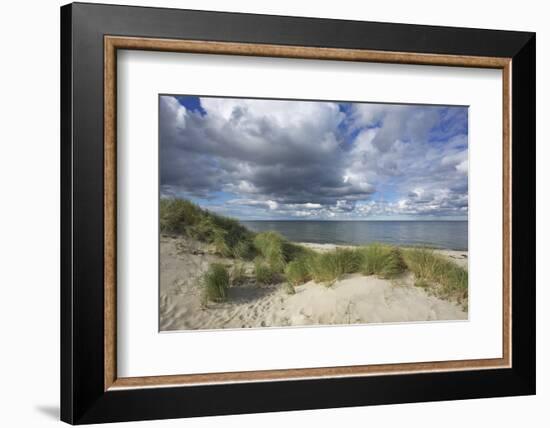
{"x": 383, "y": 260}
{"x": 330, "y": 266}
{"x": 244, "y": 250}
{"x": 375, "y": 259}
{"x": 215, "y": 282}
{"x": 238, "y": 274}
{"x": 276, "y": 259}
{"x": 270, "y": 246}
{"x": 298, "y": 271}
{"x": 227, "y": 236}
{"x": 395, "y": 264}
{"x": 264, "y": 273}
{"x": 289, "y": 288}
{"x": 436, "y": 274}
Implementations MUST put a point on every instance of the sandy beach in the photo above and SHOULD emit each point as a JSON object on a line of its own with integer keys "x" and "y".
{"x": 352, "y": 299}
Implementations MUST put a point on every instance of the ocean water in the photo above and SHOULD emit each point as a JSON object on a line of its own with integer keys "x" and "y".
{"x": 452, "y": 235}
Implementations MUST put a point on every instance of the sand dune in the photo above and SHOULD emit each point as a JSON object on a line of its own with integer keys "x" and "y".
{"x": 352, "y": 299}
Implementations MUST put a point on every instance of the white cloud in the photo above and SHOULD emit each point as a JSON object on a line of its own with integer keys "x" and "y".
{"x": 462, "y": 167}
{"x": 312, "y": 159}
{"x": 272, "y": 205}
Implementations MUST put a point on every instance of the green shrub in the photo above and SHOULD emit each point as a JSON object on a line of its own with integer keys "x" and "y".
{"x": 215, "y": 283}
{"x": 441, "y": 276}
{"x": 264, "y": 273}
{"x": 297, "y": 271}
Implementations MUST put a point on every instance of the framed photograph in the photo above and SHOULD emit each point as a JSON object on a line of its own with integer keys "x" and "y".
{"x": 266, "y": 213}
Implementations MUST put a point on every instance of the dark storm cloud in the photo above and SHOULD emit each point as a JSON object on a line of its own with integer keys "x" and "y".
{"x": 299, "y": 159}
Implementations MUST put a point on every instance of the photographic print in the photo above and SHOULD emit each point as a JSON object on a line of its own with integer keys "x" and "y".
{"x": 288, "y": 213}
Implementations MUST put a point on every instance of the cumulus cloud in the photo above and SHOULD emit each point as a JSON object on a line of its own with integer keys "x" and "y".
{"x": 282, "y": 159}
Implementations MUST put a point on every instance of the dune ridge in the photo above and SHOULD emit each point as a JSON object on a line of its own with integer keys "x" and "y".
{"x": 351, "y": 299}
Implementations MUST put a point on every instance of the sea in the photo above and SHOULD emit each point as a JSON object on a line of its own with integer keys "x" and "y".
{"x": 450, "y": 235}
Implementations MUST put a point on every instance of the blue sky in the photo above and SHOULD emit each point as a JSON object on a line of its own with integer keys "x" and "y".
{"x": 313, "y": 160}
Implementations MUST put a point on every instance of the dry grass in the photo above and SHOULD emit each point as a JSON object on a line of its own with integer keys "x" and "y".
{"x": 438, "y": 275}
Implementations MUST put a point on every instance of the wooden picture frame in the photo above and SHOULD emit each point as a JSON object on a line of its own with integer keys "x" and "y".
{"x": 91, "y": 390}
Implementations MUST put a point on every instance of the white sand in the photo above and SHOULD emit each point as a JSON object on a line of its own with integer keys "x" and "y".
{"x": 353, "y": 299}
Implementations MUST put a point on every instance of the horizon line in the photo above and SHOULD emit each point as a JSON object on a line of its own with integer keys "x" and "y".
{"x": 355, "y": 220}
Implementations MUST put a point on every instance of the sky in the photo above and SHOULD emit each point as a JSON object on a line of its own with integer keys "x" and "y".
{"x": 267, "y": 159}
